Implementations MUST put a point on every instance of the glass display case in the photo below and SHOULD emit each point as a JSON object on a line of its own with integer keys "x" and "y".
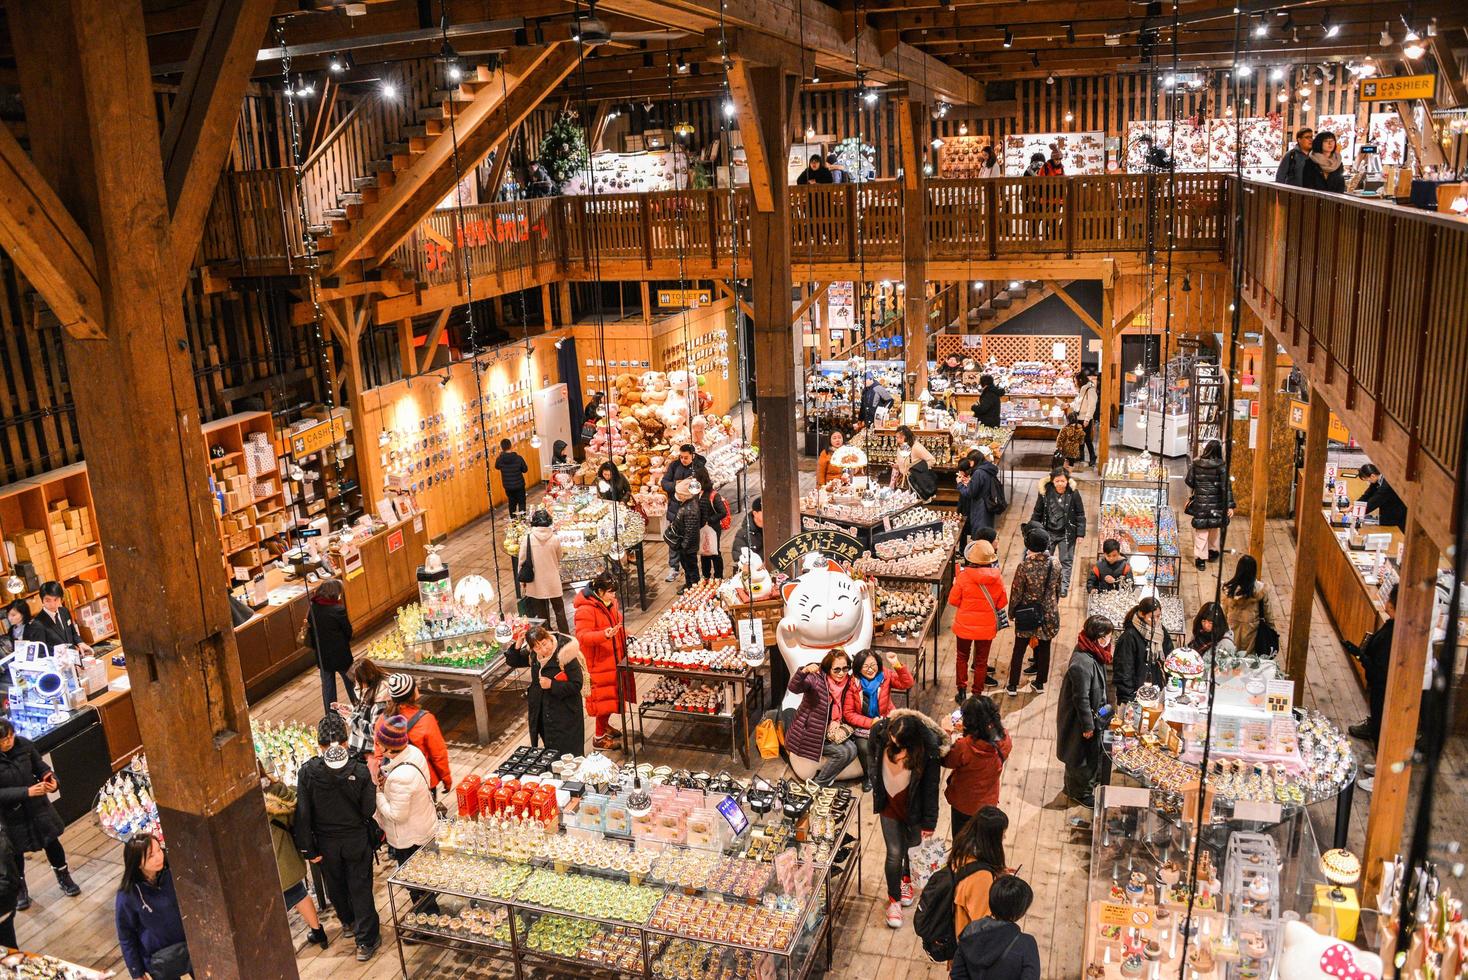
{"x": 590, "y": 530}
{"x": 1155, "y": 411}
{"x": 1136, "y": 514}
{"x": 705, "y": 885}
{"x": 1161, "y": 896}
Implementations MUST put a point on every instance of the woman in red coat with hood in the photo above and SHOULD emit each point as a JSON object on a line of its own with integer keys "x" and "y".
{"x": 978, "y": 594}
{"x": 603, "y": 642}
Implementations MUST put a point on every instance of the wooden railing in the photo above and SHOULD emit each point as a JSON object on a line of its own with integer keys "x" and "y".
{"x": 499, "y": 239}
{"x": 254, "y": 220}
{"x": 1376, "y": 298}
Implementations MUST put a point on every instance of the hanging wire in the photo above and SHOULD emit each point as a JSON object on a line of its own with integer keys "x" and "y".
{"x": 480, "y": 395}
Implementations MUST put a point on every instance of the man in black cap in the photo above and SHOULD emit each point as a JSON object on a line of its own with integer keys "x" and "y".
{"x": 751, "y": 533}
{"x": 335, "y": 803}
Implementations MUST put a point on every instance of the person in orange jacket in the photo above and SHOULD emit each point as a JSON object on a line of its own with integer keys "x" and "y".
{"x": 603, "y": 640}
{"x": 978, "y": 594}
{"x": 423, "y": 730}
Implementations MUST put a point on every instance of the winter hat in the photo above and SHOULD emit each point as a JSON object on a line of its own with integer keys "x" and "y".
{"x": 392, "y": 732}
{"x": 980, "y": 553}
{"x": 687, "y": 490}
{"x": 332, "y": 730}
{"x": 400, "y": 687}
{"x": 1037, "y": 539}
{"x": 336, "y": 757}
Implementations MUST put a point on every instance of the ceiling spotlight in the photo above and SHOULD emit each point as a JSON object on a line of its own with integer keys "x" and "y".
{"x": 1243, "y": 71}
{"x": 1169, "y": 80}
{"x": 810, "y": 135}
{"x": 1386, "y": 35}
{"x": 1412, "y": 45}
{"x": 1014, "y": 285}
{"x": 1069, "y": 116}
{"x": 1050, "y": 79}
{"x": 1368, "y": 67}
{"x": 454, "y": 72}
{"x": 937, "y": 143}
{"x": 1282, "y": 97}
{"x": 815, "y": 79}
{"x": 963, "y": 129}
{"x": 1305, "y": 106}
{"x": 869, "y": 96}
{"x": 978, "y": 287}
{"x": 559, "y": 342}
{"x": 729, "y": 109}
{"x": 1304, "y": 91}
{"x": 1008, "y": 38}
{"x": 1195, "y": 83}
{"x": 1275, "y": 74}
{"x": 1326, "y": 25}
{"x": 1035, "y": 58}
{"x": 647, "y": 106}
{"x": 1261, "y": 28}
{"x": 1432, "y": 27}
{"x": 389, "y": 90}
{"x": 341, "y": 62}
{"x": 681, "y": 65}
{"x": 927, "y": 169}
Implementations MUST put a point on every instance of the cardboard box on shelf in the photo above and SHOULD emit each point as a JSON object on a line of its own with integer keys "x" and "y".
{"x": 27, "y": 544}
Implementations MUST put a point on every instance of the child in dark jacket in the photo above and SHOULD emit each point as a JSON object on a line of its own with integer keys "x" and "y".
{"x": 995, "y": 946}
{"x": 512, "y": 467}
{"x": 1110, "y": 570}
{"x": 1071, "y": 441}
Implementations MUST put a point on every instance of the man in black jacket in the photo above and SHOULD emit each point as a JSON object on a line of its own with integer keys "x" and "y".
{"x": 1292, "y": 167}
{"x": 512, "y": 467}
{"x": 1060, "y": 511}
{"x": 1375, "y": 654}
{"x": 987, "y": 408}
{"x": 679, "y": 469}
{"x": 1380, "y": 497}
{"x": 335, "y": 804}
{"x": 751, "y": 533}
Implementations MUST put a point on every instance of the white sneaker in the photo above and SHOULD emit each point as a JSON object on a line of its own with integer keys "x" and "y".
{"x": 673, "y": 573}
{"x": 1030, "y": 688}
{"x": 1366, "y": 783}
{"x": 894, "y": 915}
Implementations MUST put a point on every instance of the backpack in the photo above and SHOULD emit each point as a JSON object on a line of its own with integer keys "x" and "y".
{"x": 933, "y": 921}
{"x": 994, "y": 498}
{"x": 727, "y": 519}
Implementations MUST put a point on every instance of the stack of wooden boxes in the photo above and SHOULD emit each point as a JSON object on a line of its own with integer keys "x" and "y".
{"x": 31, "y": 557}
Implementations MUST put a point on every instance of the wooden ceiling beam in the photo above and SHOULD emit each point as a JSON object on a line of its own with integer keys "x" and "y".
{"x": 39, "y": 234}
{"x": 816, "y": 26}
{"x": 1118, "y": 56}
{"x": 200, "y": 129}
{"x": 979, "y": 39}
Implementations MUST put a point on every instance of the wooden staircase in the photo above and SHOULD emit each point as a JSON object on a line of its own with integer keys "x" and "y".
{"x": 417, "y": 172}
{"x": 1008, "y": 303}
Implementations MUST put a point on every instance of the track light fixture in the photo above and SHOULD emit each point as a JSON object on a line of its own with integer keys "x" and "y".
{"x": 1070, "y": 33}
{"x": 1275, "y": 74}
{"x": 1008, "y": 38}
{"x": 1328, "y": 26}
{"x": 1386, "y": 35}
{"x": 1261, "y": 29}
{"x": 681, "y": 65}
{"x": 1035, "y": 58}
{"x": 389, "y": 90}
{"x": 341, "y": 62}
{"x": 1050, "y": 79}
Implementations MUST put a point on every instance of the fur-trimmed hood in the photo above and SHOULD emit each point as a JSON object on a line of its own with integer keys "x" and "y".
{"x": 280, "y": 800}
{"x": 938, "y": 741}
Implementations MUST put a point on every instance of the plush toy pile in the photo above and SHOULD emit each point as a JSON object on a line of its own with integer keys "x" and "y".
{"x": 649, "y": 416}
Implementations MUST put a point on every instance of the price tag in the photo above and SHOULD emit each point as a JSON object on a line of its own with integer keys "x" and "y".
{"x": 1254, "y": 810}
{"x": 1280, "y": 696}
{"x": 1120, "y": 796}
{"x": 1125, "y": 916}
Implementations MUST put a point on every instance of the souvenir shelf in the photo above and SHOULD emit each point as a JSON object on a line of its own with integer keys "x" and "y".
{"x": 595, "y": 888}
{"x": 245, "y": 483}
{"x": 591, "y": 531}
{"x": 1209, "y": 412}
{"x": 1156, "y": 414}
{"x": 1137, "y": 908}
{"x": 1138, "y": 517}
{"x": 882, "y": 446}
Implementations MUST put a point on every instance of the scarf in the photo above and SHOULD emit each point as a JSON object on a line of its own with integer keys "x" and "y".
{"x": 837, "y": 692}
{"x": 870, "y": 691}
{"x": 1328, "y": 164}
{"x": 1103, "y": 654}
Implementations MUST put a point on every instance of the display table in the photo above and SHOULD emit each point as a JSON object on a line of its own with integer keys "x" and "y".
{"x": 739, "y": 689}
{"x": 15, "y": 962}
{"x": 1165, "y": 434}
{"x": 594, "y": 535}
{"x": 1136, "y": 514}
{"x": 913, "y": 644}
{"x": 863, "y": 528}
{"x": 581, "y": 899}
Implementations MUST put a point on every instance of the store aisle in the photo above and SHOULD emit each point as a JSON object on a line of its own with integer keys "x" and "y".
{"x": 1049, "y": 854}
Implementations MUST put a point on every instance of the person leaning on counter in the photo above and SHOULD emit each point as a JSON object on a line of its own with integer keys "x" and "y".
{"x": 1382, "y": 498}
{"x": 53, "y": 625}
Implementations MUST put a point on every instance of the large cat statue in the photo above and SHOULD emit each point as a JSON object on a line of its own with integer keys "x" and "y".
{"x": 824, "y": 607}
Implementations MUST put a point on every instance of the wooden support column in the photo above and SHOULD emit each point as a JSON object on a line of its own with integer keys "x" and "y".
{"x": 1263, "y": 445}
{"x": 912, "y": 125}
{"x": 567, "y": 318}
{"x": 88, "y": 91}
{"x": 646, "y": 302}
{"x": 547, "y": 315}
{"x": 1411, "y": 639}
{"x": 772, "y": 93}
{"x": 1107, "y": 377}
{"x": 1317, "y": 425}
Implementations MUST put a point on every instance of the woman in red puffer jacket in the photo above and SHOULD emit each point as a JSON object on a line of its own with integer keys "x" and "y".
{"x": 978, "y": 594}
{"x": 869, "y": 699}
{"x": 603, "y": 642}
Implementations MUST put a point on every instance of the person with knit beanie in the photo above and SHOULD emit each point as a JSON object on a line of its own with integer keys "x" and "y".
{"x": 1034, "y": 594}
{"x": 1078, "y": 720}
{"x": 423, "y": 730}
{"x": 405, "y": 808}
{"x": 682, "y": 534}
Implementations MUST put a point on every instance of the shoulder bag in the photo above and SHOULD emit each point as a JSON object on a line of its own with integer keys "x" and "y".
{"x": 1266, "y": 637}
{"x": 1001, "y": 617}
{"x": 1029, "y": 617}
{"x": 526, "y": 574}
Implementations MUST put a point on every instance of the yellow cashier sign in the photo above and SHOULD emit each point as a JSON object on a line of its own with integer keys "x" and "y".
{"x": 1337, "y": 431}
{"x": 1400, "y": 87}
{"x": 318, "y": 437}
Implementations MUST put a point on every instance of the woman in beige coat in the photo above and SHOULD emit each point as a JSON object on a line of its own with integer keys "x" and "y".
{"x": 542, "y": 548}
